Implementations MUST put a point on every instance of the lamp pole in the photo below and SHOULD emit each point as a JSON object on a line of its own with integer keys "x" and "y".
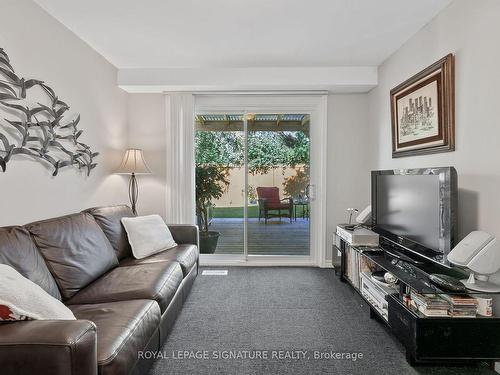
{"x": 133, "y": 192}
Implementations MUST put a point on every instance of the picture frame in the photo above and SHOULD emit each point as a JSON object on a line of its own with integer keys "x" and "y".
{"x": 423, "y": 111}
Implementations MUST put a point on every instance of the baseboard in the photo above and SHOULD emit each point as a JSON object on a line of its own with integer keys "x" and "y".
{"x": 327, "y": 264}
{"x": 256, "y": 262}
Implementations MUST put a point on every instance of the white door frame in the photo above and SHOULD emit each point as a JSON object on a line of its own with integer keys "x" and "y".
{"x": 312, "y": 103}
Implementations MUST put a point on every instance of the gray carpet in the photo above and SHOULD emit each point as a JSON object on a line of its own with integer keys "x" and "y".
{"x": 272, "y": 309}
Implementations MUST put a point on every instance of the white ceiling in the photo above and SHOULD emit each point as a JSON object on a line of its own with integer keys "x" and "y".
{"x": 244, "y": 33}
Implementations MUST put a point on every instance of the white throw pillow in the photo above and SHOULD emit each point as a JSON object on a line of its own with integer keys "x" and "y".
{"x": 22, "y": 299}
{"x": 147, "y": 235}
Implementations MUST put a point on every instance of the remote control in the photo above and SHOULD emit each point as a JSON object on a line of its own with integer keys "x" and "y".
{"x": 447, "y": 282}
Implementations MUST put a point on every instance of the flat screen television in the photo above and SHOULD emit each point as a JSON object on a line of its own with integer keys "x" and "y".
{"x": 416, "y": 209}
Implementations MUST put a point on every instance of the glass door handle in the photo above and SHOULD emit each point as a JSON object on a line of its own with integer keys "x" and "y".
{"x": 311, "y": 192}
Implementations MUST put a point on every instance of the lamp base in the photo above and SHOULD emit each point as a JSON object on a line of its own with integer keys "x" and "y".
{"x": 481, "y": 286}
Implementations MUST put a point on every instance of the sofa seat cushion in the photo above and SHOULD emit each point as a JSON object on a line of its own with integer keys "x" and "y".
{"x": 155, "y": 281}
{"x": 123, "y": 329}
{"x": 75, "y": 249}
{"x": 109, "y": 219}
{"x": 186, "y": 255}
{"x": 18, "y": 250}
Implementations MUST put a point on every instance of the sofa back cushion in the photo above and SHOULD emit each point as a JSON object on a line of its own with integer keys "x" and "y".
{"x": 76, "y": 250}
{"x": 18, "y": 250}
{"x": 109, "y": 219}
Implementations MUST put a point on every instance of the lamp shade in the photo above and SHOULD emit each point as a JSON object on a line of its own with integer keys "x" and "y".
{"x": 133, "y": 162}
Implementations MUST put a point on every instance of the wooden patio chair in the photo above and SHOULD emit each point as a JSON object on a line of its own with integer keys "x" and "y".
{"x": 269, "y": 202}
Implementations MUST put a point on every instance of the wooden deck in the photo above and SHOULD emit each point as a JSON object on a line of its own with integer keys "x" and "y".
{"x": 275, "y": 238}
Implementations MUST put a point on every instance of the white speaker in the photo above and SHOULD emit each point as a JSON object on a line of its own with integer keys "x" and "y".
{"x": 365, "y": 215}
{"x": 480, "y": 253}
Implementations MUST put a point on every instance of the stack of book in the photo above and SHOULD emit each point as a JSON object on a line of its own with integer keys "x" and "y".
{"x": 462, "y": 306}
{"x": 430, "y": 305}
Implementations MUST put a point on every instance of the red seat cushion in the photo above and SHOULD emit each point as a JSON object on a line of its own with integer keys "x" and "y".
{"x": 279, "y": 206}
{"x": 270, "y": 194}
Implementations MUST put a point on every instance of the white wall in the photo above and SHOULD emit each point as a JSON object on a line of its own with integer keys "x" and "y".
{"x": 40, "y": 47}
{"x": 348, "y": 178}
{"x": 147, "y": 130}
{"x": 470, "y": 30}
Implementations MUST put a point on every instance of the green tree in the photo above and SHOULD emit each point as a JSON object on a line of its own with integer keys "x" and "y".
{"x": 298, "y": 145}
{"x": 266, "y": 149}
{"x": 219, "y": 148}
{"x": 211, "y": 181}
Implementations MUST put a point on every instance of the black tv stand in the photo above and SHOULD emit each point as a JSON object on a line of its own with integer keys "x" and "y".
{"x": 402, "y": 257}
{"x": 428, "y": 340}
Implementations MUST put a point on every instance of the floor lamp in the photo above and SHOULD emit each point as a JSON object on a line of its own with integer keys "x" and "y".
{"x": 133, "y": 163}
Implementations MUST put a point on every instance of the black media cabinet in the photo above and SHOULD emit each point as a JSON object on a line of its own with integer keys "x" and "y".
{"x": 432, "y": 340}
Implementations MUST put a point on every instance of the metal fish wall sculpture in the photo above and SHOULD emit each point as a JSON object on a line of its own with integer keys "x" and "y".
{"x": 37, "y": 130}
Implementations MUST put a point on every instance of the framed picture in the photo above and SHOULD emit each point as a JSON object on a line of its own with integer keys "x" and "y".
{"x": 423, "y": 111}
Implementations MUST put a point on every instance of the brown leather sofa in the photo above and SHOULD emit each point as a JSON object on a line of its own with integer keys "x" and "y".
{"x": 124, "y": 306}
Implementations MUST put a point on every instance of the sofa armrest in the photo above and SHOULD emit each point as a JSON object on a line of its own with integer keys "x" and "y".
{"x": 55, "y": 347}
{"x": 185, "y": 233}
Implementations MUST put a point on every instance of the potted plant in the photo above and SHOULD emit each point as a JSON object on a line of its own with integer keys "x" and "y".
{"x": 211, "y": 181}
{"x": 252, "y": 194}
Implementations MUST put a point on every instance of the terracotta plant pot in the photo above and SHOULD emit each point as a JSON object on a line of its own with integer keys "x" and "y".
{"x": 208, "y": 241}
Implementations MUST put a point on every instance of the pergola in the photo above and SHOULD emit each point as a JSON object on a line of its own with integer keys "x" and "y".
{"x": 256, "y": 122}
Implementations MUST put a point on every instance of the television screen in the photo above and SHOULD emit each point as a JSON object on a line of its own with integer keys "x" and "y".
{"x": 417, "y": 205}
{"x": 409, "y": 206}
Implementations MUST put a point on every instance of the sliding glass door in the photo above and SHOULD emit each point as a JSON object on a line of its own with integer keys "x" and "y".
{"x": 252, "y": 183}
{"x": 220, "y": 183}
{"x": 277, "y": 182}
